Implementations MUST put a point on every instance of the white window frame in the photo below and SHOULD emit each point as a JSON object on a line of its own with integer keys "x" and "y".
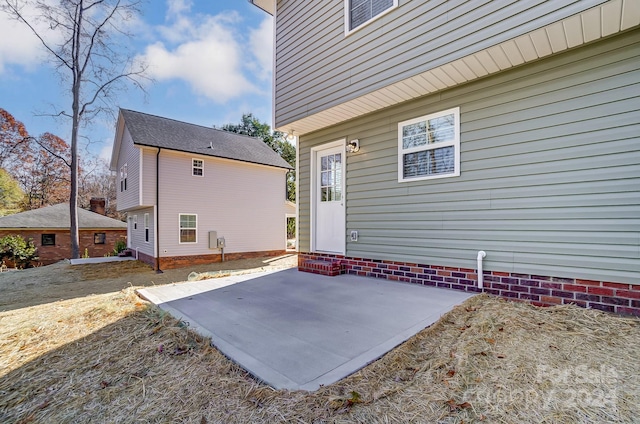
{"x": 146, "y": 228}
{"x": 135, "y": 222}
{"x": 125, "y": 176}
{"x": 347, "y": 17}
{"x": 455, "y": 143}
{"x": 194, "y": 167}
{"x": 180, "y": 215}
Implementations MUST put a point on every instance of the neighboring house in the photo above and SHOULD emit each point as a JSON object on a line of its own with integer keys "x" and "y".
{"x": 509, "y": 127}
{"x": 184, "y": 186}
{"x": 48, "y": 228}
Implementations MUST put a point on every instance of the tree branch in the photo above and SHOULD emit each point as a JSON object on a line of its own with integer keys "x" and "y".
{"x": 14, "y": 10}
{"x": 104, "y": 86}
{"x": 51, "y": 152}
{"x": 96, "y": 31}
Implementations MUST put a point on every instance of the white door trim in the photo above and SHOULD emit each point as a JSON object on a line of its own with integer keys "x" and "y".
{"x": 313, "y": 188}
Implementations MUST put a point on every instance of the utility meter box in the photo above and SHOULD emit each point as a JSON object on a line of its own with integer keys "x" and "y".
{"x": 213, "y": 239}
{"x": 221, "y": 243}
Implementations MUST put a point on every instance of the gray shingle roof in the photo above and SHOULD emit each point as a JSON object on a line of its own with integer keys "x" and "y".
{"x": 155, "y": 131}
{"x": 57, "y": 216}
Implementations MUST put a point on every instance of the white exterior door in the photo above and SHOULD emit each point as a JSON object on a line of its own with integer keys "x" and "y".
{"x": 328, "y": 198}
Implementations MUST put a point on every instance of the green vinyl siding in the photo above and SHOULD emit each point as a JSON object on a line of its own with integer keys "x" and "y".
{"x": 318, "y": 67}
{"x": 550, "y": 172}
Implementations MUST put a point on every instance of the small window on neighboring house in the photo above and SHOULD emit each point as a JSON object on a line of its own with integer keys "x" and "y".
{"x": 135, "y": 222}
{"x": 48, "y": 240}
{"x": 121, "y": 178}
{"x": 360, "y": 12}
{"x": 188, "y": 228}
{"x": 99, "y": 238}
{"x": 146, "y": 227}
{"x": 198, "y": 167}
{"x": 125, "y": 177}
{"x": 429, "y": 146}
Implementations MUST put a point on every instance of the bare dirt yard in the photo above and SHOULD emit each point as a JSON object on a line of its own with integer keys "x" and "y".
{"x": 61, "y": 281}
{"x": 78, "y": 346}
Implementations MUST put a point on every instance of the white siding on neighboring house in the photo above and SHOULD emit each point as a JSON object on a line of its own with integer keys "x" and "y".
{"x": 227, "y": 199}
{"x": 129, "y": 156}
{"x": 148, "y": 176}
{"x": 137, "y": 240}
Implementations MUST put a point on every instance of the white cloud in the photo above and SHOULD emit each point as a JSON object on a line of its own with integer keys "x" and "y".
{"x": 210, "y": 62}
{"x": 261, "y": 41}
{"x": 18, "y": 44}
{"x": 212, "y": 54}
{"x": 178, "y": 7}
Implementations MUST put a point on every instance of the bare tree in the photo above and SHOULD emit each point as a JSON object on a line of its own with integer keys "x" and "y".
{"x": 89, "y": 53}
{"x": 96, "y": 180}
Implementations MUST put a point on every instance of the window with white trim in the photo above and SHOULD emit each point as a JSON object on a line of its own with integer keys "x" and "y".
{"x": 429, "y": 146}
{"x": 125, "y": 177}
{"x": 188, "y": 228}
{"x": 146, "y": 227}
{"x": 360, "y": 12}
{"x": 135, "y": 222}
{"x": 197, "y": 166}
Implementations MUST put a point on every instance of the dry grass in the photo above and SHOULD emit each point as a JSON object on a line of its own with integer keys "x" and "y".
{"x": 113, "y": 358}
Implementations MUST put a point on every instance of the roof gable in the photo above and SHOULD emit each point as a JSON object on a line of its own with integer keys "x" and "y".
{"x": 57, "y": 216}
{"x": 156, "y": 131}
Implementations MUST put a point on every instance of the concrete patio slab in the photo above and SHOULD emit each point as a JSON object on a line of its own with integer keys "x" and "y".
{"x": 299, "y": 331}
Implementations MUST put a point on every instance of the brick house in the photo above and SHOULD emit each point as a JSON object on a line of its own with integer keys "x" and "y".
{"x": 48, "y": 228}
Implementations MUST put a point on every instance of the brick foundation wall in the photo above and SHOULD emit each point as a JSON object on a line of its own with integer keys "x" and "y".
{"x": 540, "y": 290}
{"x": 183, "y": 261}
{"x": 62, "y": 250}
{"x": 147, "y": 259}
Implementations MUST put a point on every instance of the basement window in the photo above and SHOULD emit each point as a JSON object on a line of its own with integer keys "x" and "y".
{"x": 48, "y": 240}
{"x": 358, "y": 13}
{"x": 429, "y": 146}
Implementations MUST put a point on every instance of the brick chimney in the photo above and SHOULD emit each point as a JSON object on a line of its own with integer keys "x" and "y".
{"x": 97, "y": 205}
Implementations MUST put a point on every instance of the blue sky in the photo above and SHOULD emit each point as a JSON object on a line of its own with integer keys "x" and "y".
{"x": 210, "y": 59}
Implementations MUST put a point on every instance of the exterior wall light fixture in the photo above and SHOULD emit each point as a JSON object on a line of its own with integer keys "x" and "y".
{"x": 353, "y": 146}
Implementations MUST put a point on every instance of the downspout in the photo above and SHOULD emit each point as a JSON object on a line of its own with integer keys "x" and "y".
{"x": 157, "y": 233}
{"x": 481, "y": 255}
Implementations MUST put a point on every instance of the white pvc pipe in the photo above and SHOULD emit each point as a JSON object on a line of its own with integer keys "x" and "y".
{"x": 481, "y": 255}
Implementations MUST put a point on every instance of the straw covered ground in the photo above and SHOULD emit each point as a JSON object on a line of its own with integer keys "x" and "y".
{"x": 113, "y": 358}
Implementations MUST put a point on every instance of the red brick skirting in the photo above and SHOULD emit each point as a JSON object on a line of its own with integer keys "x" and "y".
{"x": 147, "y": 259}
{"x": 540, "y": 290}
{"x": 330, "y": 267}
